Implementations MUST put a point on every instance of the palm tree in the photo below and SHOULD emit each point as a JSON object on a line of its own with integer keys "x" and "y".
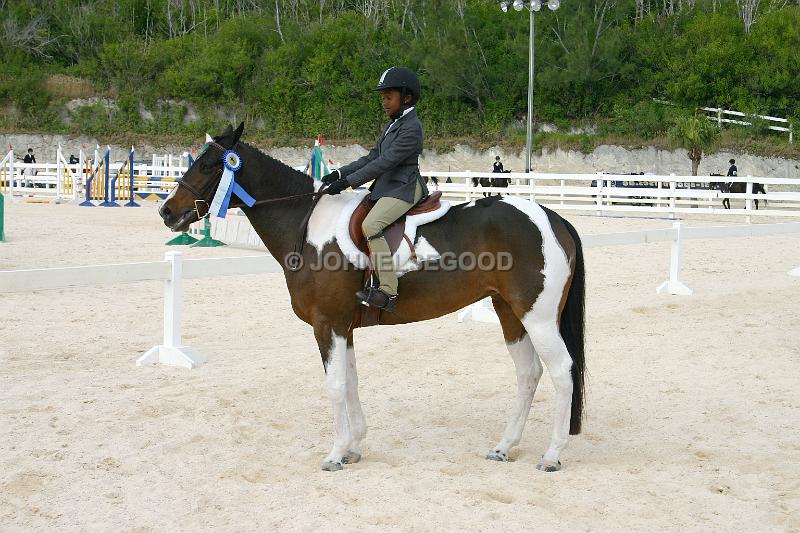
{"x": 696, "y": 133}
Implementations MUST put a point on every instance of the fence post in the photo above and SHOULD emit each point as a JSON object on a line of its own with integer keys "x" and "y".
{"x": 748, "y": 201}
{"x": 673, "y": 285}
{"x": 131, "y": 184}
{"x": 2, "y": 217}
{"x": 599, "y": 198}
{"x": 11, "y": 174}
{"x": 172, "y": 352}
{"x": 672, "y": 189}
{"x": 719, "y": 117}
{"x": 469, "y": 189}
{"x": 79, "y": 180}
{"x": 60, "y": 174}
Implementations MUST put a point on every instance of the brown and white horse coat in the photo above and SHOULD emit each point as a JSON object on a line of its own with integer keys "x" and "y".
{"x": 539, "y": 301}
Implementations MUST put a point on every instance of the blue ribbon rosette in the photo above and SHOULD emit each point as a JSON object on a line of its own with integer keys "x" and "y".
{"x": 232, "y": 162}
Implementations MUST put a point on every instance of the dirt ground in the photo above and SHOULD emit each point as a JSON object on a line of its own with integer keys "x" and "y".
{"x": 692, "y": 407}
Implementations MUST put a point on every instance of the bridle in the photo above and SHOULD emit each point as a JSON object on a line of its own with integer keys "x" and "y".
{"x": 201, "y": 199}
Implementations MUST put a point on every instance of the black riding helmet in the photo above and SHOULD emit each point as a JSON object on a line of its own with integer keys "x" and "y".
{"x": 403, "y": 79}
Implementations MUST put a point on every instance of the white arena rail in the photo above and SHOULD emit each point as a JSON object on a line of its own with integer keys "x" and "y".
{"x": 669, "y": 197}
{"x": 484, "y": 312}
{"x": 155, "y": 179}
{"x": 172, "y": 270}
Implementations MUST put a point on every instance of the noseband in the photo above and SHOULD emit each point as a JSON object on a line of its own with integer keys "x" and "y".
{"x": 200, "y": 198}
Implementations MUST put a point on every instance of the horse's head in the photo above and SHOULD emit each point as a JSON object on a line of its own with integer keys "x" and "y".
{"x": 191, "y": 198}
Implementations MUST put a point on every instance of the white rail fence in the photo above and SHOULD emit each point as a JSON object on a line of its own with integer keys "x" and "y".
{"x": 484, "y": 312}
{"x": 65, "y": 181}
{"x": 173, "y": 269}
{"x": 622, "y": 193}
{"x": 599, "y": 193}
{"x": 720, "y": 115}
{"x": 669, "y": 196}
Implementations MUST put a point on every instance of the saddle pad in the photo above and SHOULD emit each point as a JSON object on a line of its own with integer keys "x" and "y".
{"x": 359, "y": 259}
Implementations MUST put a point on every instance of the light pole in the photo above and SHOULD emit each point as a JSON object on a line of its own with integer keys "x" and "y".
{"x": 532, "y": 5}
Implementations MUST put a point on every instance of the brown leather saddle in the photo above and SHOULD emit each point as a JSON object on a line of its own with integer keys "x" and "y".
{"x": 394, "y": 232}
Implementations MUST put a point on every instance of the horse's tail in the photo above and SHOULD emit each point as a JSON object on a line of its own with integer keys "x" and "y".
{"x": 571, "y": 328}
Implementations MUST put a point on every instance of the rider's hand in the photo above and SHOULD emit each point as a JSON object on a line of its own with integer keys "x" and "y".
{"x": 337, "y": 186}
{"x": 327, "y": 179}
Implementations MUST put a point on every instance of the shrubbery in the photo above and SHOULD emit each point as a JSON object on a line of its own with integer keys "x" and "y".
{"x": 305, "y": 73}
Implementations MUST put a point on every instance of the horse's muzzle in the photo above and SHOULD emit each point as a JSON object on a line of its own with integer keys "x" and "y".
{"x": 177, "y": 221}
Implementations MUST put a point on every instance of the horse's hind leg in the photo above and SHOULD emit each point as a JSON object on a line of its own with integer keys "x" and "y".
{"x": 549, "y": 345}
{"x": 529, "y": 370}
{"x": 355, "y": 415}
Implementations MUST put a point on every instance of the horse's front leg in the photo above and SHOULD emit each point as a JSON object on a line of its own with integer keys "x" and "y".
{"x": 333, "y": 348}
{"x": 358, "y": 424}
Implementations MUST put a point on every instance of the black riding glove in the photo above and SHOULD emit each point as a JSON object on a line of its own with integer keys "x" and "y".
{"x": 337, "y": 186}
{"x": 327, "y": 179}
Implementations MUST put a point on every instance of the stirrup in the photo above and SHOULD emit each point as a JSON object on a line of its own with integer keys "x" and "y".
{"x": 375, "y": 297}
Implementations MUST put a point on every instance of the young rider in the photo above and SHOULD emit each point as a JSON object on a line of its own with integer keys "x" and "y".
{"x": 394, "y": 165}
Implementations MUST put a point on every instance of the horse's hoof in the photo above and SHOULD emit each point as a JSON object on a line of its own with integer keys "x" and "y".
{"x": 351, "y": 458}
{"x": 497, "y": 455}
{"x": 329, "y": 466}
{"x": 549, "y": 466}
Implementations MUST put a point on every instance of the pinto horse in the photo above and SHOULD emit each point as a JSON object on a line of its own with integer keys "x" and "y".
{"x": 539, "y": 299}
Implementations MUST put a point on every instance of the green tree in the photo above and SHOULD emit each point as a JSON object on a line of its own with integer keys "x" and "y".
{"x": 695, "y": 133}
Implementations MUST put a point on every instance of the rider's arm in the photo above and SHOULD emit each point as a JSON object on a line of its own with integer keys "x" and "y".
{"x": 360, "y": 162}
{"x": 406, "y": 145}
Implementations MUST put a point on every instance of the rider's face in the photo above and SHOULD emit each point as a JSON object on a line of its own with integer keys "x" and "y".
{"x": 391, "y": 102}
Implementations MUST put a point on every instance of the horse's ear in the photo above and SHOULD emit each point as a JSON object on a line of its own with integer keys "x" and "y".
{"x": 238, "y": 133}
{"x": 225, "y": 135}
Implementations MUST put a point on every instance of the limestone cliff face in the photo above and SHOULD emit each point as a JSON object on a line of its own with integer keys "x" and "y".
{"x": 609, "y": 159}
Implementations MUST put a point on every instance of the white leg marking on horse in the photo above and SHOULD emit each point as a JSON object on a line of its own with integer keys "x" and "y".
{"x": 358, "y": 424}
{"x": 541, "y": 323}
{"x": 529, "y": 370}
{"x": 336, "y": 382}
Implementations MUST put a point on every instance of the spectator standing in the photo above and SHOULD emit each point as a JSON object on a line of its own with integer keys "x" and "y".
{"x": 29, "y": 157}
{"x": 27, "y": 172}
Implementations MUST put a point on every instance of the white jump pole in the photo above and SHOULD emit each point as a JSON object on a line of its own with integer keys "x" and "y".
{"x": 673, "y": 285}
{"x": 482, "y": 311}
{"x": 172, "y": 352}
{"x": 11, "y": 173}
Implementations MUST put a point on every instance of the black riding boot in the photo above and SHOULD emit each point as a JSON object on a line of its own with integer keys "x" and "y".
{"x": 377, "y": 298}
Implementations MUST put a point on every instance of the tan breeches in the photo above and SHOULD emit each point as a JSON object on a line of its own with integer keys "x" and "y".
{"x": 385, "y": 211}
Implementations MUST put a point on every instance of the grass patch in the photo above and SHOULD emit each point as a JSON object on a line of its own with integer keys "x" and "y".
{"x": 64, "y": 86}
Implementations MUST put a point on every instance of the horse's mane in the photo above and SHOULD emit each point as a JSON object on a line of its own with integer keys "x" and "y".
{"x": 295, "y": 181}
